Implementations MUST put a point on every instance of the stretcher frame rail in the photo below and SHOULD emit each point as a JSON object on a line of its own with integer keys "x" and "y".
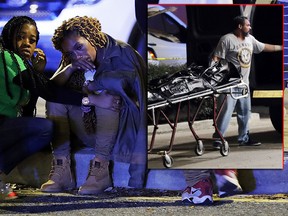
{"x": 213, "y": 93}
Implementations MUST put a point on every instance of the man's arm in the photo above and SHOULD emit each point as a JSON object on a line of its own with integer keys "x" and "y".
{"x": 272, "y": 48}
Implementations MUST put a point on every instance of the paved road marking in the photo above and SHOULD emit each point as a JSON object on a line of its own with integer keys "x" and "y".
{"x": 246, "y": 198}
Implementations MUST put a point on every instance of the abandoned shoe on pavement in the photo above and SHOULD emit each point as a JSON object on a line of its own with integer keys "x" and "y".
{"x": 98, "y": 179}
{"x": 60, "y": 177}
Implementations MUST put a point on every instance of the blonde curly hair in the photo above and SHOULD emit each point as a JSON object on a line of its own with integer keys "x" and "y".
{"x": 87, "y": 27}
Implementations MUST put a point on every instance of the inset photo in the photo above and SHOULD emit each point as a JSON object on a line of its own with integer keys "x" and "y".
{"x": 215, "y": 86}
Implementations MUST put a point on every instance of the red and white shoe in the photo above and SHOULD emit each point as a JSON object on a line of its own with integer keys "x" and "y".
{"x": 227, "y": 182}
{"x": 11, "y": 195}
{"x": 6, "y": 192}
{"x": 199, "y": 194}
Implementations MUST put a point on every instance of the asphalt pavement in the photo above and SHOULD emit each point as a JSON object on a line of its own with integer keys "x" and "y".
{"x": 127, "y": 202}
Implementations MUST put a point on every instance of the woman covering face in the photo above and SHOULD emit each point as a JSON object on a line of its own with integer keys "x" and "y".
{"x": 118, "y": 133}
{"x": 79, "y": 51}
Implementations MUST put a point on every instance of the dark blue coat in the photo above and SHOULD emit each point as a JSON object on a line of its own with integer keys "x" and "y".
{"x": 120, "y": 69}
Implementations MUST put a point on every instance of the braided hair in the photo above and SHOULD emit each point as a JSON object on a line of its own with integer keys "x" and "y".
{"x": 12, "y": 27}
{"x": 7, "y": 41}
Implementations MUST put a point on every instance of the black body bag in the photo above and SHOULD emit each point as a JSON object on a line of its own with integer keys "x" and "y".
{"x": 191, "y": 80}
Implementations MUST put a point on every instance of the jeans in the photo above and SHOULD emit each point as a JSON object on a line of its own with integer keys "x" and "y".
{"x": 22, "y": 137}
{"x": 242, "y": 106}
{"x": 69, "y": 123}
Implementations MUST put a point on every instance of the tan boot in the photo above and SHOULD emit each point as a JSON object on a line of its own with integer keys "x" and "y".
{"x": 98, "y": 179}
{"x": 60, "y": 177}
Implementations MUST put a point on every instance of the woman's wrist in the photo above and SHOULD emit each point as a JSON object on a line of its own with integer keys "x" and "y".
{"x": 61, "y": 76}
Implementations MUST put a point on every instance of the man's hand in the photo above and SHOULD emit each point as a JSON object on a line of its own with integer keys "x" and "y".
{"x": 106, "y": 101}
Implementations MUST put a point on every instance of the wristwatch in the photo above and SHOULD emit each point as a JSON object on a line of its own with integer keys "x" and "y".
{"x": 85, "y": 101}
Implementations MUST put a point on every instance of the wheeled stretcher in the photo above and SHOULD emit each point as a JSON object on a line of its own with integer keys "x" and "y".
{"x": 166, "y": 95}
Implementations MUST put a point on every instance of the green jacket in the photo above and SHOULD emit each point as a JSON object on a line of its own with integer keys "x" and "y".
{"x": 12, "y": 96}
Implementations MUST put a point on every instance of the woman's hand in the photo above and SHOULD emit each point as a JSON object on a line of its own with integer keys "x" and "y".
{"x": 82, "y": 63}
{"x": 39, "y": 61}
{"x": 106, "y": 101}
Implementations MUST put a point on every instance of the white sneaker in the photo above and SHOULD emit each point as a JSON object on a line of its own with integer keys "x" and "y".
{"x": 200, "y": 193}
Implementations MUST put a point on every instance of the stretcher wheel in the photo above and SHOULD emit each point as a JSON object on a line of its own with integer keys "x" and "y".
{"x": 167, "y": 160}
{"x": 224, "y": 149}
{"x": 245, "y": 91}
{"x": 199, "y": 148}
